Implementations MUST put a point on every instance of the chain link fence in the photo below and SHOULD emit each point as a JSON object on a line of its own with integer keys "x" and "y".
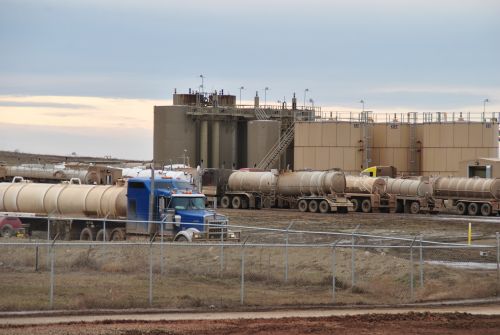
{"x": 350, "y": 269}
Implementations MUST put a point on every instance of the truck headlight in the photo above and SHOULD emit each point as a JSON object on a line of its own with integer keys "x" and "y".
{"x": 196, "y": 235}
{"x": 231, "y": 235}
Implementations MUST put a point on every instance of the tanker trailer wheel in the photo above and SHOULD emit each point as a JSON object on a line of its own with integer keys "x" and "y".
{"x": 302, "y": 205}
{"x": 87, "y": 234}
{"x": 414, "y": 207}
{"x": 355, "y": 205}
{"x": 485, "y": 210}
{"x": 225, "y": 202}
{"x": 324, "y": 206}
{"x": 100, "y": 235}
{"x": 117, "y": 234}
{"x": 473, "y": 209}
{"x": 313, "y": 206}
{"x": 366, "y": 206}
{"x": 461, "y": 208}
{"x": 236, "y": 202}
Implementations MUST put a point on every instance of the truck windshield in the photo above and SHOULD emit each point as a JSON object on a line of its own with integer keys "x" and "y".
{"x": 188, "y": 203}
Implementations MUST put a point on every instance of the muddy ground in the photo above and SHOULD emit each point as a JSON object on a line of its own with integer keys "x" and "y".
{"x": 409, "y": 323}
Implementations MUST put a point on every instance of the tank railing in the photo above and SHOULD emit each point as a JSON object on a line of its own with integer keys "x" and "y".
{"x": 403, "y": 118}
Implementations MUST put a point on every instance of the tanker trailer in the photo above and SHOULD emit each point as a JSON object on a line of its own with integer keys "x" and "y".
{"x": 112, "y": 212}
{"x": 306, "y": 190}
{"x": 368, "y": 194}
{"x": 471, "y": 196}
{"x": 412, "y": 195}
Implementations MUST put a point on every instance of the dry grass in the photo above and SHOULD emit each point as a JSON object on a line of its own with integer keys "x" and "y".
{"x": 118, "y": 277}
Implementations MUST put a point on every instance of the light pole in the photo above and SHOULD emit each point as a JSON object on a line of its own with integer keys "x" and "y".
{"x": 363, "y": 103}
{"x": 312, "y": 103}
{"x": 202, "y": 86}
{"x": 305, "y": 92}
{"x": 265, "y": 96}
{"x": 241, "y": 88}
{"x": 484, "y": 105}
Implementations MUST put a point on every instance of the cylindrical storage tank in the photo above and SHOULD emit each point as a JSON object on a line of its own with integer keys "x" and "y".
{"x": 365, "y": 184}
{"x": 262, "y": 135}
{"x": 311, "y": 183}
{"x": 174, "y": 132}
{"x": 472, "y": 188}
{"x": 66, "y": 199}
{"x": 408, "y": 187}
{"x": 227, "y": 100}
{"x": 248, "y": 181}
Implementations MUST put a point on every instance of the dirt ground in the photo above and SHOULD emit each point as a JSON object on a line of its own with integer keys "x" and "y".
{"x": 409, "y": 323}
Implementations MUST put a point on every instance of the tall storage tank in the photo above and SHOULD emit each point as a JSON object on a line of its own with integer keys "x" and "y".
{"x": 365, "y": 184}
{"x": 409, "y": 187}
{"x": 174, "y": 132}
{"x": 473, "y": 188}
{"x": 262, "y": 135}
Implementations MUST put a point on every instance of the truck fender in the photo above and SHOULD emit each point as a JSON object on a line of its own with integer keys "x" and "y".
{"x": 188, "y": 234}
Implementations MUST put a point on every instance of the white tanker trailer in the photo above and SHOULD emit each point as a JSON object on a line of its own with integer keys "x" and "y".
{"x": 368, "y": 194}
{"x": 471, "y": 196}
{"x": 412, "y": 196}
{"x": 313, "y": 191}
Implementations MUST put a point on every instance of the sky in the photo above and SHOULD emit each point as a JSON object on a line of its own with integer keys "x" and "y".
{"x": 83, "y": 76}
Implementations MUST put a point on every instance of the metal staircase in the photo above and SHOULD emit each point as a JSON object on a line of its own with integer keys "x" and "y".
{"x": 413, "y": 163}
{"x": 276, "y": 151}
{"x": 261, "y": 114}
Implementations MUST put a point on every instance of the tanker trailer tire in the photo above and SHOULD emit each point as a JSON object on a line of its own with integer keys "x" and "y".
{"x": 485, "y": 210}
{"x": 100, "y": 235}
{"x": 117, "y": 234}
{"x": 225, "y": 202}
{"x": 7, "y": 231}
{"x": 324, "y": 206}
{"x": 87, "y": 234}
{"x": 414, "y": 207}
{"x": 355, "y": 205}
{"x": 302, "y": 205}
{"x": 313, "y": 206}
{"x": 473, "y": 209}
{"x": 366, "y": 206}
{"x": 236, "y": 202}
{"x": 461, "y": 208}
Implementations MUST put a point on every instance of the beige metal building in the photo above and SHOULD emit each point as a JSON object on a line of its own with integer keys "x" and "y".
{"x": 423, "y": 144}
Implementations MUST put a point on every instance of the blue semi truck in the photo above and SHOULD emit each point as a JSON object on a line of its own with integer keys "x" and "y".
{"x": 73, "y": 211}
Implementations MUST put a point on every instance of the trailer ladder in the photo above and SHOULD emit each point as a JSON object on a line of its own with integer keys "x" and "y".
{"x": 278, "y": 149}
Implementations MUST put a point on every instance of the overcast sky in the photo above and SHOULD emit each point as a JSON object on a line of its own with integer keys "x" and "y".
{"x": 83, "y": 76}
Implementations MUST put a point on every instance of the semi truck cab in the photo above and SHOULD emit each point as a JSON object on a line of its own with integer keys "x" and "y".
{"x": 179, "y": 205}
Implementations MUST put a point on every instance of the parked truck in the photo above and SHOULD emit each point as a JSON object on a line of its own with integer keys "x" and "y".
{"x": 114, "y": 212}
{"x": 368, "y": 194}
{"x": 308, "y": 191}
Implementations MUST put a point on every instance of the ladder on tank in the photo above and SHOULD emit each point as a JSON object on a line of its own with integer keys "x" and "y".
{"x": 367, "y": 128}
{"x": 276, "y": 151}
{"x": 413, "y": 165}
{"x": 261, "y": 114}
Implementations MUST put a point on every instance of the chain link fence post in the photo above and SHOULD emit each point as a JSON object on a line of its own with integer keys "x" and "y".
{"x": 412, "y": 293}
{"x": 242, "y": 286}
{"x": 421, "y": 262}
{"x": 52, "y": 274}
{"x": 221, "y": 271}
{"x": 498, "y": 260}
{"x": 334, "y": 270}
{"x": 151, "y": 272}
{"x": 353, "y": 264}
